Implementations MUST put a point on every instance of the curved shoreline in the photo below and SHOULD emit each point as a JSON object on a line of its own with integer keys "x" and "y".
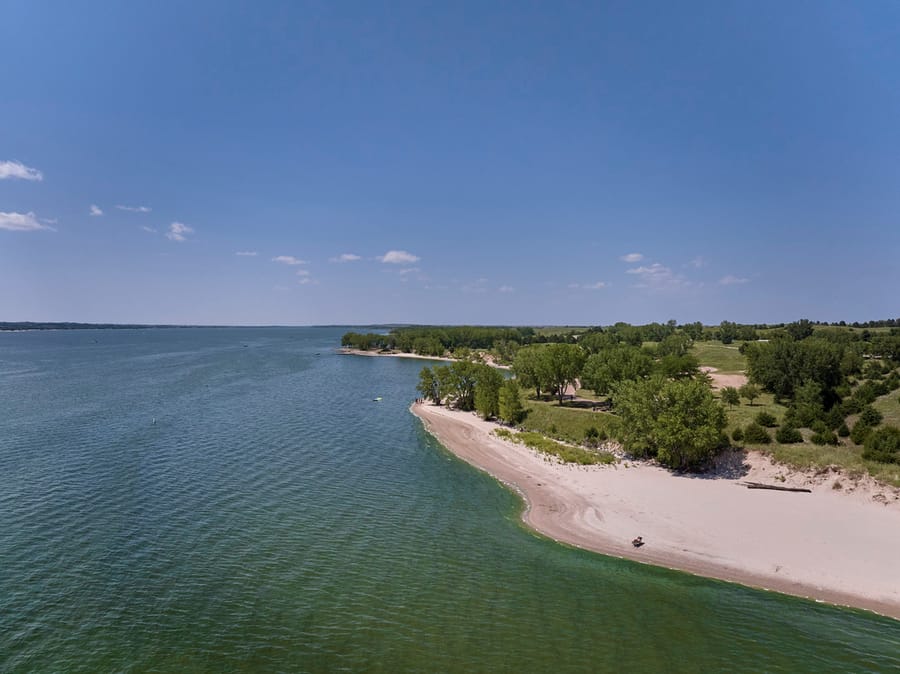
{"x": 812, "y": 548}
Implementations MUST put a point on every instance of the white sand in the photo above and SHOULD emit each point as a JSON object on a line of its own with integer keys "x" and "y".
{"x": 830, "y": 545}
{"x": 720, "y": 380}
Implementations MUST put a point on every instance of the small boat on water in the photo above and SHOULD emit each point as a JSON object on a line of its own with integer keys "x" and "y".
{"x": 376, "y": 400}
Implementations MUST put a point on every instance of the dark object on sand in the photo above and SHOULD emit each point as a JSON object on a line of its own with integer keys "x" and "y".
{"x": 760, "y": 485}
{"x": 638, "y": 542}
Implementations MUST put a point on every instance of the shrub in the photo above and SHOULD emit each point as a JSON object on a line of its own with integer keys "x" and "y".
{"x": 756, "y": 434}
{"x": 826, "y": 438}
{"x": 766, "y": 419}
{"x": 860, "y": 432}
{"x": 870, "y": 416}
{"x": 850, "y": 406}
{"x": 843, "y": 431}
{"x": 883, "y": 445}
{"x": 819, "y": 426}
{"x": 788, "y": 435}
{"x": 738, "y": 434}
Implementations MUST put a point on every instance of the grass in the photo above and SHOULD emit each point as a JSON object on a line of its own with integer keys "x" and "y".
{"x": 545, "y": 445}
{"x": 726, "y": 358}
{"x": 743, "y": 414}
{"x": 565, "y": 423}
{"x": 889, "y": 406}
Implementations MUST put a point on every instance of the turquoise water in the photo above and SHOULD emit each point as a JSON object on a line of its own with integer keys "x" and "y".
{"x": 232, "y": 499}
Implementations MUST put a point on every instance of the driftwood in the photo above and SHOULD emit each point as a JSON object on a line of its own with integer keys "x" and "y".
{"x": 760, "y": 485}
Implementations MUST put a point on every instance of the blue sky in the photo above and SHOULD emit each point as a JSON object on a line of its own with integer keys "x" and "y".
{"x": 516, "y": 163}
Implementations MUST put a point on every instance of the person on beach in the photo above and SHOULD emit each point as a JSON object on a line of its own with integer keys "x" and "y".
{"x": 638, "y": 542}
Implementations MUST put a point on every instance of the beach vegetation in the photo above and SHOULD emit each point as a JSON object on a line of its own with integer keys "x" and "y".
{"x": 883, "y": 445}
{"x": 488, "y": 383}
{"x": 509, "y": 402}
{"x": 788, "y": 435}
{"x": 565, "y": 453}
{"x": 754, "y": 434}
{"x": 676, "y": 421}
{"x": 730, "y": 396}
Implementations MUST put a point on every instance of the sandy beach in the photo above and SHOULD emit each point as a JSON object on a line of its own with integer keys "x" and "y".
{"x": 402, "y": 354}
{"x": 837, "y": 545}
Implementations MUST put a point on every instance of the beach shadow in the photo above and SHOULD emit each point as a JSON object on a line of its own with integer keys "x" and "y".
{"x": 729, "y": 465}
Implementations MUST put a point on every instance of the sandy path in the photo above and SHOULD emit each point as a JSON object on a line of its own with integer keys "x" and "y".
{"x": 720, "y": 380}
{"x": 828, "y": 545}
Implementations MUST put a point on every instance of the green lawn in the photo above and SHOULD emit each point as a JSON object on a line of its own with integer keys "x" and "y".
{"x": 725, "y": 358}
{"x": 565, "y": 423}
{"x": 889, "y": 406}
{"x": 743, "y": 414}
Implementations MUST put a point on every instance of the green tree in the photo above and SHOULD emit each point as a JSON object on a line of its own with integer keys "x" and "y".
{"x": 750, "y": 392}
{"x": 487, "y": 391}
{"x": 509, "y": 402}
{"x": 677, "y": 421}
{"x": 564, "y": 364}
{"x": 612, "y": 365}
{"x": 883, "y": 445}
{"x": 730, "y": 396}
{"x": 531, "y": 368}
{"x": 429, "y": 385}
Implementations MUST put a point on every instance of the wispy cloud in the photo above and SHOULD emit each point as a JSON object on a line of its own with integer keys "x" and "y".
{"x": 597, "y": 285}
{"x": 134, "y": 209}
{"x": 657, "y": 276}
{"x": 148, "y": 229}
{"x": 408, "y": 270}
{"x": 96, "y": 210}
{"x": 398, "y": 257}
{"x": 730, "y": 280}
{"x": 21, "y": 222}
{"x": 288, "y": 259}
{"x": 246, "y": 253}
{"x": 178, "y": 231}
{"x": 345, "y": 257}
{"x": 632, "y": 257}
{"x": 505, "y": 289}
{"x": 303, "y": 272}
{"x": 18, "y": 170}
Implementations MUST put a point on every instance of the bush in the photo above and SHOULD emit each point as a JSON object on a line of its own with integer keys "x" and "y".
{"x": 738, "y": 434}
{"x": 883, "y": 445}
{"x": 755, "y": 434}
{"x": 766, "y": 419}
{"x": 819, "y": 426}
{"x": 870, "y": 417}
{"x": 843, "y": 431}
{"x": 860, "y": 432}
{"x": 788, "y": 435}
{"x": 826, "y": 438}
{"x": 850, "y": 406}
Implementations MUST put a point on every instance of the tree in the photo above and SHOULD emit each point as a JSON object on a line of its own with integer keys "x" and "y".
{"x": 564, "y": 364}
{"x": 429, "y": 385}
{"x": 487, "y": 391}
{"x": 677, "y": 421}
{"x": 612, "y": 365}
{"x": 509, "y": 402}
{"x": 750, "y": 392}
{"x": 530, "y": 368}
{"x": 883, "y": 445}
{"x": 730, "y": 396}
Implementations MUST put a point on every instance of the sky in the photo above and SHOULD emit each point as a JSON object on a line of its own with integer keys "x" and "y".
{"x": 295, "y": 163}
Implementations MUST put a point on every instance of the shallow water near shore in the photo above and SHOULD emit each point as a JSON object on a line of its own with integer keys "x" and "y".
{"x": 233, "y": 499}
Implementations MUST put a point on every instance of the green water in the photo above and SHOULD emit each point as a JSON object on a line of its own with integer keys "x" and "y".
{"x": 232, "y": 499}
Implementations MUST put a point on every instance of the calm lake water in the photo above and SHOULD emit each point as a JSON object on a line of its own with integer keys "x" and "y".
{"x": 232, "y": 499}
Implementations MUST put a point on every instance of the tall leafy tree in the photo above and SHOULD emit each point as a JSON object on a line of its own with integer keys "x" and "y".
{"x": 509, "y": 402}
{"x": 564, "y": 364}
{"x": 611, "y": 365}
{"x": 676, "y": 421}
{"x": 488, "y": 382}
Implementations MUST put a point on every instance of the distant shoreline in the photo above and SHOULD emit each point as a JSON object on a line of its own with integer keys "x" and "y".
{"x": 401, "y": 354}
{"x": 806, "y": 545}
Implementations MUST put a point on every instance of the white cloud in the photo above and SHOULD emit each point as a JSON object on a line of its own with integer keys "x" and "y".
{"x": 408, "y": 270}
{"x": 730, "y": 280}
{"x": 178, "y": 231}
{"x": 657, "y": 275}
{"x": 632, "y": 257}
{"x": 95, "y": 210}
{"x": 598, "y": 285}
{"x": 16, "y": 169}
{"x": 398, "y": 257}
{"x": 21, "y": 222}
{"x": 288, "y": 259}
{"x": 134, "y": 209}
{"x": 345, "y": 257}
{"x": 505, "y": 289}
{"x": 306, "y": 280}
{"x": 148, "y": 229}
{"x": 303, "y": 272}
{"x": 49, "y": 221}
{"x": 246, "y": 253}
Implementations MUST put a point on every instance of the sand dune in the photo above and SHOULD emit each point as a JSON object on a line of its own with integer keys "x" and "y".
{"x": 829, "y": 545}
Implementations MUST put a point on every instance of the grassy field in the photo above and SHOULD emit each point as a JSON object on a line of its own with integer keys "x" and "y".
{"x": 726, "y": 358}
{"x": 565, "y": 423}
{"x": 889, "y": 406}
{"x": 743, "y": 414}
